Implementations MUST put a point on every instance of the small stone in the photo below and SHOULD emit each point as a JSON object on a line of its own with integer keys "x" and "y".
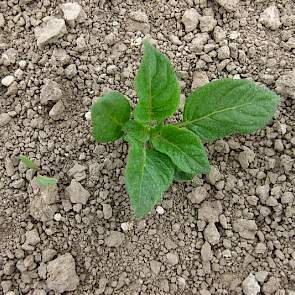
{"x": 73, "y": 13}
{"x": 260, "y": 248}
{"x": 172, "y": 258}
{"x": 160, "y": 210}
{"x": 9, "y": 56}
{"x": 252, "y": 200}
{"x": 138, "y": 22}
{"x": 9, "y": 268}
{"x": 198, "y": 42}
{"x": 250, "y": 285}
{"x": 18, "y": 74}
{"x": 219, "y": 34}
{"x": 271, "y": 286}
{"x": 7, "y": 80}
{"x": 261, "y": 276}
{"x": 207, "y": 23}
{"x": 61, "y": 274}
{"x": 6, "y": 286}
{"x": 271, "y": 201}
{"x": 271, "y": 18}
{"x": 214, "y": 175}
{"x": 198, "y": 195}
{"x": 206, "y": 252}
{"x": 190, "y": 19}
{"x": 155, "y": 266}
{"x": 115, "y": 239}
{"x": 57, "y": 110}
{"x": 287, "y": 198}
{"x": 223, "y": 52}
{"x": 22, "y": 64}
{"x": 2, "y": 22}
{"x": 61, "y": 57}
{"x": 4, "y": 119}
{"x": 246, "y": 228}
{"x": 107, "y": 211}
{"x": 77, "y": 193}
{"x": 210, "y": 211}
{"x": 245, "y": 158}
{"x": 285, "y": 85}
{"x": 228, "y": 5}
{"x": 57, "y": 217}
{"x": 211, "y": 234}
{"x": 127, "y": 226}
{"x": 139, "y": 16}
{"x": 175, "y": 40}
{"x": 200, "y": 78}
{"x": 71, "y": 71}
{"x": 48, "y": 254}
{"x": 81, "y": 44}
{"x": 50, "y": 91}
{"x": 51, "y": 30}
{"x": 42, "y": 271}
{"x": 32, "y": 237}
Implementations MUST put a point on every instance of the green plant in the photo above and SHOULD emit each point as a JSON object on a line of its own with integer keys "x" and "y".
{"x": 40, "y": 179}
{"x": 160, "y": 153}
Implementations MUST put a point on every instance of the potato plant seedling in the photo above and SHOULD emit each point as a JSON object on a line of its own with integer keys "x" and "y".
{"x": 160, "y": 153}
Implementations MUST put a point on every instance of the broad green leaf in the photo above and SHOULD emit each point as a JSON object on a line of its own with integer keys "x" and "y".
{"x": 109, "y": 114}
{"x": 224, "y": 107}
{"x": 29, "y": 163}
{"x": 44, "y": 180}
{"x": 157, "y": 87}
{"x": 181, "y": 176}
{"x": 148, "y": 175}
{"x": 135, "y": 132}
{"x": 183, "y": 147}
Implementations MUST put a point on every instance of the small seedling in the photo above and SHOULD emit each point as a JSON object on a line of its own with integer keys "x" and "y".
{"x": 160, "y": 153}
{"x": 40, "y": 179}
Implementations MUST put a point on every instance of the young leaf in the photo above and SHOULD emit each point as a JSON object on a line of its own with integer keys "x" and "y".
{"x": 109, "y": 114}
{"x": 29, "y": 163}
{"x": 224, "y": 107}
{"x": 136, "y": 132}
{"x": 44, "y": 180}
{"x": 157, "y": 87}
{"x": 181, "y": 176}
{"x": 148, "y": 175}
{"x": 183, "y": 147}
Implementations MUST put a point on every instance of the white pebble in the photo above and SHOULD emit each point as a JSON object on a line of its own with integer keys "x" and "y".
{"x": 22, "y": 64}
{"x": 126, "y": 226}
{"x": 57, "y": 217}
{"x": 88, "y": 116}
{"x": 160, "y": 210}
{"x": 7, "y": 80}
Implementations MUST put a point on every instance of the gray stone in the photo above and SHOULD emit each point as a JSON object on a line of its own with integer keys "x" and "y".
{"x": 198, "y": 195}
{"x": 107, "y": 211}
{"x": 250, "y": 285}
{"x": 271, "y": 18}
{"x": 61, "y": 274}
{"x": 155, "y": 266}
{"x": 172, "y": 258}
{"x": 200, "y": 78}
{"x": 9, "y": 268}
{"x": 138, "y": 22}
{"x": 261, "y": 276}
{"x": 51, "y": 30}
{"x": 48, "y": 254}
{"x": 260, "y": 248}
{"x": 287, "y": 198}
{"x": 206, "y": 252}
{"x": 223, "y": 52}
{"x": 219, "y": 34}
{"x": 198, "y": 42}
{"x": 77, "y": 193}
{"x": 190, "y": 19}
{"x": 4, "y": 119}
{"x": 271, "y": 286}
{"x": 7, "y": 80}
{"x": 245, "y": 158}
{"x": 71, "y": 71}
{"x": 50, "y": 91}
{"x": 32, "y": 237}
{"x": 6, "y": 286}
{"x": 73, "y": 13}
{"x": 2, "y": 22}
{"x": 207, "y": 23}
{"x": 246, "y": 228}
{"x": 57, "y": 111}
{"x": 9, "y": 56}
{"x": 61, "y": 57}
{"x": 114, "y": 239}
{"x": 211, "y": 234}
{"x": 210, "y": 211}
{"x": 228, "y": 5}
{"x": 285, "y": 85}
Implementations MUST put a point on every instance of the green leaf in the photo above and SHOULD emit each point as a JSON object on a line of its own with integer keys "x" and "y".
{"x": 148, "y": 175}
{"x": 109, "y": 114}
{"x": 157, "y": 87}
{"x": 183, "y": 147}
{"x": 136, "y": 132}
{"x": 29, "y": 163}
{"x": 224, "y": 107}
{"x": 181, "y": 176}
{"x": 44, "y": 180}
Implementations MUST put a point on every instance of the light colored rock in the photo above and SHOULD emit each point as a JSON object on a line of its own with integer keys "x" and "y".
{"x": 7, "y": 80}
{"x": 51, "y": 30}
{"x": 32, "y": 237}
{"x": 107, "y": 211}
{"x": 172, "y": 258}
{"x": 190, "y": 19}
{"x": 198, "y": 195}
{"x": 246, "y": 228}
{"x": 73, "y": 12}
{"x": 43, "y": 203}
{"x": 71, "y": 71}
{"x": 211, "y": 234}
{"x": 115, "y": 239}
{"x": 48, "y": 254}
{"x": 127, "y": 226}
{"x": 223, "y": 52}
{"x": 228, "y": 5}
{"x": 271, "y": 18}
{"x": 77, "y": 193}
{"x": 207, "y": 23}
{"x": 50, "y": 91}
{"x": 57, "y": 111}
{"x": 260, "y": 248}
{"x": 160, "y": 210}
{"x": 81, "y": 44}
{"x": 261, "y": 276}
{"x": 287, "y": 198}
{"x": 138, "y": 21}
{"x": 61, "y": 57}
{"x": 61, "y": 274}
{"x": 219, "y": 34}
{"x": 139, "y": 16}
{"x": 200, "y": 79}
{"x": 210, "y": 211}
{"x": 206, "y": 252}
{"x": 198, "y": 42}
{"x": 250, "y": 285}
{"x": 271, "y": 286}
{"x": 245, "y": 158}
{"x": 2, "y": 20}
{"x": 4, "y": 119}
{"x": 285, "y": 85}
{"x": 9, "y": 56}
{"x": 155, "y": 266}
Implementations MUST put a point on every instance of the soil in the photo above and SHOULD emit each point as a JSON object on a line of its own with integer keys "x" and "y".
{"x": 231, "y": 232}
